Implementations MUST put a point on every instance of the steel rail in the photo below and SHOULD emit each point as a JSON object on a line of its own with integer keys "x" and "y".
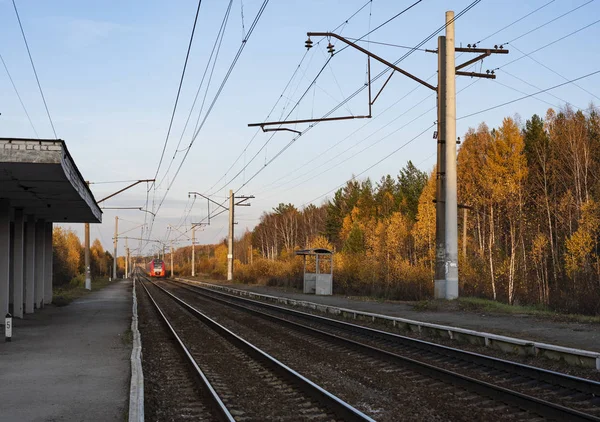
{"x": 532, "y": 404}
{"x": 329, "y": 400}
{"x": 217, "y": 404}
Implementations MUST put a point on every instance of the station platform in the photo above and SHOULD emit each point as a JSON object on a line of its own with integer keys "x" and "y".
{"x": 577, "y": 335}
{"x": 70, "y": 363}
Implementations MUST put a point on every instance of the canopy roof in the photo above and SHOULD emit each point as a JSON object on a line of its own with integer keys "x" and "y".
{"x": 40, "y": 177}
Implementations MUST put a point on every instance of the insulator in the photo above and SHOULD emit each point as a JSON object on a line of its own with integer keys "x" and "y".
{"x": 330, "y": 48}
{"x": 487, "y": 71}
{"x": 474, "y": 45}
{"x": 468, "y": 45}
{"x": 496, "y": 47}
{"x": 308, "y": 43}
{"x": 501, "y": 47}
{"x": 493, "y": 72}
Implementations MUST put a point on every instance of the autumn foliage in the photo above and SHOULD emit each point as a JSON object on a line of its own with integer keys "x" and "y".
{"x": 529, "y": 223}
{"x": 68, "y": 258}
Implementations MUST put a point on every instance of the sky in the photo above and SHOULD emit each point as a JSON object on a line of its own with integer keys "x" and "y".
{"x": 110, "y": 73}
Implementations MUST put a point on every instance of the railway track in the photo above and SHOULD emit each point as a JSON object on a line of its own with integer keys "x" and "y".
{"x": 540, "y": 392}
{"x": 248, "y": 383}
{"x": 176, "y": 388}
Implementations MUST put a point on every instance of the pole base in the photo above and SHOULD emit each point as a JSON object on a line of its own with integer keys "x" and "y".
{"x": 439, "y": 289}
{"x": 88, "y": 284}
{"x": 452, "y": 289}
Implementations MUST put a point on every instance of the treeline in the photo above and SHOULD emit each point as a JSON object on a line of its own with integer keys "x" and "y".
{"x": 68, "y": 261}
{"x": 529, "y": 223}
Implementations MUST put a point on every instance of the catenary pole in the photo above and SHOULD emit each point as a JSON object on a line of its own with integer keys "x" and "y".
{"x": 230, "y": 239}
{"x": 451, "y": 209}
{"x": 88, "y": 273}
{"x": 440, "y": 231}
{"x": 193, "y": 250}
{"x": 115, "y": 248}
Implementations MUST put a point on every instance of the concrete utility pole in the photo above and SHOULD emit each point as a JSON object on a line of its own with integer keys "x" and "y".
{"x": 171, "y": 259}
{"x": 447, "y": 92}
{"x": 115, "y": 248}
{"x": 126, "y": 258}
{"x": 193, "y": 250}
{"x": 230, "y": 238}
{"x": 232, "y": 205}
{"x": 439, "y": 288}
{"x": 88, "y": 272}
{"x": 446, "y": 268}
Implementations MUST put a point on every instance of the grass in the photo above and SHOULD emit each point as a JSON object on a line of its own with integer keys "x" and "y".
{"x": 63, "y": 295}
{"x": 475, "y": 304}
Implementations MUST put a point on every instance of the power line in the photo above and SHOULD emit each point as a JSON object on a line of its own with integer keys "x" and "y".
{"x": 384, "y": 111}
{"x": 548, "y": 45}
{"x": 19, "y": 96}
{"x": 549, "y": 22}
{"x": 310, "y": 86}
{"x": 285, "y": 147}
{"x": 215, "y": 98}
{"x": 371, "y": 166}
{"x": 554, "y": 71}
{"x": 216, "y": 46}
{"x": 529, "y": 95}
{"x": 34, "y": 71}
{"x": 516, "y": 21}
{"x": 178, "y": 89}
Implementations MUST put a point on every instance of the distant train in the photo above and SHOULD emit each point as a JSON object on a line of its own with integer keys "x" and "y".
{"x": 156, "y": 268}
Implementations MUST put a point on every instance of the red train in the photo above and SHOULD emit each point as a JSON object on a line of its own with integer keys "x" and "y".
{"x": 156, "y": 268}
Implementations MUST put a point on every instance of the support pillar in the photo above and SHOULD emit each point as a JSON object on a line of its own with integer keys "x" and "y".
{"x": 230, "y": 239}
{"x": 451, "y": 206}
{"x": 193, "y": 251}
{"x": 48, "y": 264}
{"x": 29, "y": 267}
{"x": 18, "y": 262}
{"x": 4, "y": 256}
{"x": 115, "y": 244}
{"x": 439, "y": 290}
{"x": 40, "y": 263}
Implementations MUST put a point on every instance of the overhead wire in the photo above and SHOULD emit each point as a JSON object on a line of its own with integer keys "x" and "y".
{"x": 215, "y": 98}
{"x": 19, "y": 96}
{"x": 187, "y": 56}
{"x": 428, "y": 38}
{"x": 34, "y": 70}
{"x": 529, "y": 95}
{"x": 216, "y": 47}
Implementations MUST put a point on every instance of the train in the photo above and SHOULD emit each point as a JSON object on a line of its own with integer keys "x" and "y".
{"x": 157, "y": 268}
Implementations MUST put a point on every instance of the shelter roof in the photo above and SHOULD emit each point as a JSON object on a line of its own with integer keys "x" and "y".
{"x": 40, "y": 177}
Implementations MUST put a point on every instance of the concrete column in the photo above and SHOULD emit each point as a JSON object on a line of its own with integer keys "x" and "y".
{"x": 40, "y": 249}
{"x": 451, "y": 208}
{"x": 17, "y": 258}
{"x": 439, "y": 290}
{"x": 230, "y": 238}
{"x": 29, "y": 266}
{"x": 11, "y": 277}
{"x": 48, "y": 265}
{"x": 4, "y": 256}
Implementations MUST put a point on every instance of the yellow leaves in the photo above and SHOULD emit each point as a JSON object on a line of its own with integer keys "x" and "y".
{"x": 581, "y": 243}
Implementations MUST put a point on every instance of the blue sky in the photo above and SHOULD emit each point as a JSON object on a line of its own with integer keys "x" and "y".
{"x": 110, "y": 72}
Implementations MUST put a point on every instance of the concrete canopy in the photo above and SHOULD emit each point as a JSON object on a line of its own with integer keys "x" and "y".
{"x": 40, "y": 177}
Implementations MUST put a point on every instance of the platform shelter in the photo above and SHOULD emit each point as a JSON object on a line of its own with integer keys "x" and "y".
{"x": 39, "y": 185}
{"x": 318, "y": 270}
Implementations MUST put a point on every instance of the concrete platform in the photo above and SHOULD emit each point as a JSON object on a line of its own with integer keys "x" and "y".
{"x": 70, "y": 363}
